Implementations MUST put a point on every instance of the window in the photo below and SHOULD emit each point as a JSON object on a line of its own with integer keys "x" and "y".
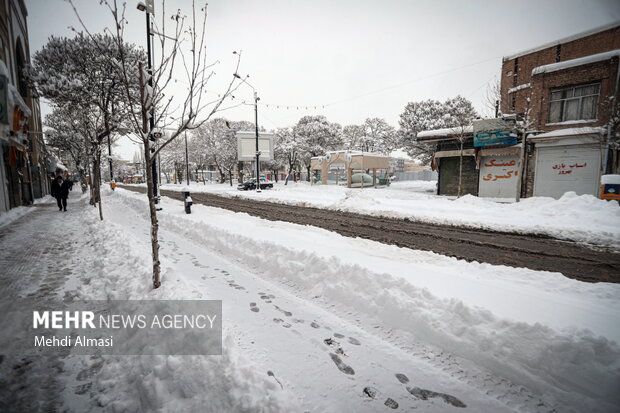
{"x": 574, "y": 103}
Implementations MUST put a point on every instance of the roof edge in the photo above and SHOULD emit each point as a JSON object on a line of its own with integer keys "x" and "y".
{"x": 562, "y": 40}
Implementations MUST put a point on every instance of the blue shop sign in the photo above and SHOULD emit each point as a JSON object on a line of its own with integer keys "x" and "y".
{"x": 497, "y": 137}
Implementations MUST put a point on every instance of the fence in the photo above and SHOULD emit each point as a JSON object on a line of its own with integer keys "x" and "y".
{"x": 416, "y": 176}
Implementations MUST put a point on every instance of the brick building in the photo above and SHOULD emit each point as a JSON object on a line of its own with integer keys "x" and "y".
{"x": 567, "y": 90}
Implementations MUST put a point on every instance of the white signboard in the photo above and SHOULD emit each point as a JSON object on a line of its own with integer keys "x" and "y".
{"x": 498, "y": 176}
{"x": 246, "y": 146}
{"x": 560, "y": 169}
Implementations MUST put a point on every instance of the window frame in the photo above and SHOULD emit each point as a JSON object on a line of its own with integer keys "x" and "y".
{"x": 567, "y": 94}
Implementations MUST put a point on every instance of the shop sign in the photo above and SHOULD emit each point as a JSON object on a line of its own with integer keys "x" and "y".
{"x": 493, "y": 132}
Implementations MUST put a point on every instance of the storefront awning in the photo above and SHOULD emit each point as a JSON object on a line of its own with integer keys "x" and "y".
{"x": 450, "y": 154}
{"x": 510, "y": 150}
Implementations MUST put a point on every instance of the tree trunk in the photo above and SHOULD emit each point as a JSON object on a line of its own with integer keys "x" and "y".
{"x": 308, "y": 168}
{"x": 97, "y": 184}
{"x": 230, "y": 176}
{"x": 149, "y": 186}
{"x": 154, "y": 222}
{"x": 290, "y": 170}
{"x": 91, "y": 178}
{"x": 240, "y": 169}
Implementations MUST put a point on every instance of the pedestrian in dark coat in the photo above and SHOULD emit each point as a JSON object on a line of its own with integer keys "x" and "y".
{"x": 60, "y": 191}
{"x": 64, "y": 192}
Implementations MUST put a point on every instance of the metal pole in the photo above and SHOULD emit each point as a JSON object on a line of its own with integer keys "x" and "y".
{"x": 521, "y": 168}
{"x": 110, "y": 158}
{"x": 152, "y": 117}
{"x": 257, "y": 152}
{"x": 186, "y": 160}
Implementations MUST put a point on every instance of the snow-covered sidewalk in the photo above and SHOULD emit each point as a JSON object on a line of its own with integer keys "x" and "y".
{"x": 312, "y": 321}
{"x": 575, "y": 218}
{"x": 533, "y": 328}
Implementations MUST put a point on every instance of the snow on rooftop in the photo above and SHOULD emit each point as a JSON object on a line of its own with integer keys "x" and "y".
{"x": 553, "y": 67}
{"x": 562, "y": 41}
{"x": 517, "y": 88}
{"x": 446, "y": 132}
{"x": 569, "y": 132}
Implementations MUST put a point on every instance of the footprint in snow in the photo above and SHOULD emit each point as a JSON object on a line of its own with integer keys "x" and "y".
{"x": 286, "y": 313}
{"x": 429, "y": 394}
{"x": 345, "y": 368}
{"x": 370, "y": 392}
{"x": 402, "y": 378}
{"x": 354, "y": 341}
{"x": 314, "y": 325}
{"x": 254, "y": 308}
{"x": 391, "y": 403}
{"x": 279, "y": 320}
{"x": 373, "y": 393}
{"x": 338, "y": 335}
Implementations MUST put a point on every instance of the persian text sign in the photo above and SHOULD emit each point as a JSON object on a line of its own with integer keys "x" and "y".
{"x": 166, "y": 327}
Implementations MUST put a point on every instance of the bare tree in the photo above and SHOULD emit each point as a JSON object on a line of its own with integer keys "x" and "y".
{"x": 154, "y": 103}
{"x": 492, "y": 99}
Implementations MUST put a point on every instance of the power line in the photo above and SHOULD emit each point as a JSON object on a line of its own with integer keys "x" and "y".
{"x": 306, "y": 107}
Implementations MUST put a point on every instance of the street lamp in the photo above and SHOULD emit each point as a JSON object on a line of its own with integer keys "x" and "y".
{"x": 148, "y": 9}
{"x": 256, "y": 99}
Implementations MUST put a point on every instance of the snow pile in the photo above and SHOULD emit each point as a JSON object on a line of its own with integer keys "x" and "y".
{"x": 163, "y": 383}
{"x": 577, "y": 367}
{"x": 582, "y": 218}
{"x": 14, "y": 214}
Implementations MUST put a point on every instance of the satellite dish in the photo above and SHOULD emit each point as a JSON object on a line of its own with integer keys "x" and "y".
{"x": 328, "y": 157}
{"x": 320, "y": 160}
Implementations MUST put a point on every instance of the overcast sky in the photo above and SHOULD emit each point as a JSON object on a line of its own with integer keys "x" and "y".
{"x": 352, "y": 59}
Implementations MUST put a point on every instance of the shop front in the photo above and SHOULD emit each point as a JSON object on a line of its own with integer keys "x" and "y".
{"x": 568, "y": 161}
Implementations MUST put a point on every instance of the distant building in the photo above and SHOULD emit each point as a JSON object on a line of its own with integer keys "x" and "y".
{"x": 23, "y": 162}
{"x": 568, "y": 89}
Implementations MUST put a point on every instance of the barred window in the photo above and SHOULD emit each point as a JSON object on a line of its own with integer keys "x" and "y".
{"x": 574, "y": 103}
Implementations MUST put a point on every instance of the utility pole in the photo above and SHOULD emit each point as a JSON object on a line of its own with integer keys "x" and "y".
{"x": 186, "y": 160}
{"x": 256, "y": 99}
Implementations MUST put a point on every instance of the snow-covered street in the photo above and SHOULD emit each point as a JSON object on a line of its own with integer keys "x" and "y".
{"x": 313, "y": 207}
{"x": 314, "y": 321}
{"x": 575, "y": 218}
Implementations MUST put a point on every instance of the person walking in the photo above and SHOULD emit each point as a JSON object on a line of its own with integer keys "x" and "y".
{"x": 65, "y": 187}
{"x": 60, "y": 191}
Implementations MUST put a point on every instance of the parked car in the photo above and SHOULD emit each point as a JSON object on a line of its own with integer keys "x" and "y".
{"x": 251, "y": 184}
{"x": 361, "y": 179}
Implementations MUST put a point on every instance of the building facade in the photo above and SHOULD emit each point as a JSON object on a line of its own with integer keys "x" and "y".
{"x": 23, "y": 161}
{"x": 566, "y": 92}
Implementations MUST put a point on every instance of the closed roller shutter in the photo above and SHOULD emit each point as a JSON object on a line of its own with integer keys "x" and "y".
{"x": 560, "y": 169}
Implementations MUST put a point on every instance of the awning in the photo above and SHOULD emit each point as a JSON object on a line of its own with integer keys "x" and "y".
{"x": 450, "y": 154}
{"x": 510, "y": 150}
